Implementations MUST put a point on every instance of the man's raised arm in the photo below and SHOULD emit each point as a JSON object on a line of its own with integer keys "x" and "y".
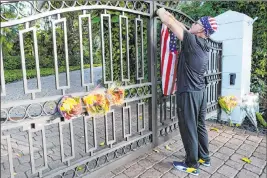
{"x": 174, "y": 25}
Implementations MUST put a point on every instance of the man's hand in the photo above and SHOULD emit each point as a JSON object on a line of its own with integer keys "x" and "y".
{"x": 169, "y": 20}
{"x": 160, "y": 11}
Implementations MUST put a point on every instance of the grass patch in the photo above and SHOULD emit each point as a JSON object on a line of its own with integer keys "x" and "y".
{"x": 16, "y": 74}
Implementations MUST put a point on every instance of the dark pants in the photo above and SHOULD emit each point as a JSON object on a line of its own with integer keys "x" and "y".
{"x": 191, "y": 108}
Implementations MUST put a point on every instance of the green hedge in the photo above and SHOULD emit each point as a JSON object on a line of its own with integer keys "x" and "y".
{"x": 14, "y": 62}
{"x": 11, "y": 47}
{"x": 16, "y": 74}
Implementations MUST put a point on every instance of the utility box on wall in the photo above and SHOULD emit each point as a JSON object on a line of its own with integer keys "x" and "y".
{"x": 235, "y": 31}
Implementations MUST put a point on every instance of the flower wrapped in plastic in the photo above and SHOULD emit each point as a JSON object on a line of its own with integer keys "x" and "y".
{"x": 250, "y": 106}
{"x": 116, "y": 95}
{"x": 70, "y": 107}
{"x": 96, "y": 103}
{"x": 228, "y": 103}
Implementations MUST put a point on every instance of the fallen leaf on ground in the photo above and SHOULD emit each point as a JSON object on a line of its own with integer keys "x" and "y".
{"x": 214, "y": 129}
{"x": 79, "y": 168}
{"x": 246, "y": 160}
{"x": 157, "y": 151}
{"x": 102, "y": 144}
{"x": 167, "y": 147}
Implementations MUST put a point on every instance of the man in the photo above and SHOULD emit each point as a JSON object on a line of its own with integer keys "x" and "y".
{"x": 191, "y": 98}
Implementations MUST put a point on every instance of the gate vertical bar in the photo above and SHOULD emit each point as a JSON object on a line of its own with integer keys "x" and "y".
{"x": 153, "y": 122}
{"x": 219, "y": 79}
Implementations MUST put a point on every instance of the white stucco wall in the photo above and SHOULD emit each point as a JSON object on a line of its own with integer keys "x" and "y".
{"x": 235, "y": 31}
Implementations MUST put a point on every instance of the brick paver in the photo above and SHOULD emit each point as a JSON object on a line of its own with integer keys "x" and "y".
{"x": 217, "y": 175}
{"x": 261, "y": 149}
{"x": 134, "y": 170}
{"x": 169, "y": 175}
{"x": 264, "y": 175}
{"x": 178, "y": 173}
{"x": 164, "y": 166}
{"x": 221, "y": 156}
{"x": 237, "y": 158}
{"x": 258, "y": 162}
{"x": 228, "y": 171}
{"x": 226, "y": 151}
{"x": 202, "y": 175}
{"x": 253, "y": 168}
{"x": 121, "y": 176}
{"x": 227, "y": 148}
{"x": 216, "y": 164}
{"x": 151, "y": 173}
{"x": 235, "y": 141}
{"x": 118, "y": 170}
{"x": 260, "y": 155}
{"x": 245, "y": 173}
{"x": 255, "y": 139}
{"x": 234, "y": 164}
{"x": 110, "y": 174}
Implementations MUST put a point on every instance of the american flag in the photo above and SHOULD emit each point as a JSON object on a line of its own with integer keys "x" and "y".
{"x": 169, "y": 59}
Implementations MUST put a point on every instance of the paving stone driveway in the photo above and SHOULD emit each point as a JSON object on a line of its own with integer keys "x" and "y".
{"x": 227, "y": 147}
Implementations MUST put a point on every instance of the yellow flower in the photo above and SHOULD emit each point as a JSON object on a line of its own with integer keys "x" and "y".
{"x": 89, "y": 99}
{"x": 68, "y": 104}
{"x": 116, "y": 95}
{"x": 70, "y": 101}
{"x": 66, "y": 107}
{"x": 228, "y": 103}
{"x": 96, "y": 103}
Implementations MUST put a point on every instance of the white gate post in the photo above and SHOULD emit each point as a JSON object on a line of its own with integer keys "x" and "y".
{"x": 235, "y": 31}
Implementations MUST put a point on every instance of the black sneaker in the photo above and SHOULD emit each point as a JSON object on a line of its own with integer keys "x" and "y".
{"x": 204, "y": 163}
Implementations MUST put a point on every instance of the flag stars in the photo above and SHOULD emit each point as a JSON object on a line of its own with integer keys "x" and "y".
{"x": 172, "y": 42}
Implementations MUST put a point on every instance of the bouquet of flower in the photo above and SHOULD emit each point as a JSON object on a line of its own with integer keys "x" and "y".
{"x": 228, "y": 103}
{"x": 70, "y": 107}
{"x": 116, "y": 95}
{"x": 250, "y": 105}
{"x": 96, "y": 103}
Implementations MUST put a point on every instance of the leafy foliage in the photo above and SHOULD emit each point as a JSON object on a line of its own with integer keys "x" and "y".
{"x": 12, "y": 55}
{"x": 261, "y": 119}
{"x": 16, "y": 74}
{"x": 259, "y": 46}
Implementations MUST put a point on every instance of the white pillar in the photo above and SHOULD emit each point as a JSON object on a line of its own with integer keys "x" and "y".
{"x": 235, "y": 31}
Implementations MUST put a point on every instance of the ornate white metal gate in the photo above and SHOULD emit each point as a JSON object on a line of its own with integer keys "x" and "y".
{"x": 53, "y": 48}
